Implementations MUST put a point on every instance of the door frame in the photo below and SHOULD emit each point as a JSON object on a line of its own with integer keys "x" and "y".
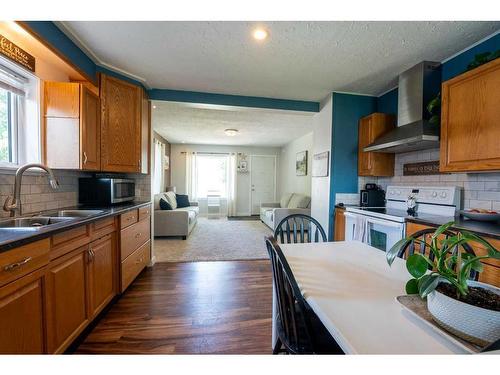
{"x": 250, "y": 203}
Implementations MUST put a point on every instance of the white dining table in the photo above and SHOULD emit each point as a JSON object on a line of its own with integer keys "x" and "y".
{"x": 353, "y": 291}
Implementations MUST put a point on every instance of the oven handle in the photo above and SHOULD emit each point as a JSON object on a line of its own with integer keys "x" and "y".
{"x": 385, "y": 223}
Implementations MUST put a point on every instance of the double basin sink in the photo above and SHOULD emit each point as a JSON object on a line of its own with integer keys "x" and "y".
{"x": 47, "y": 219}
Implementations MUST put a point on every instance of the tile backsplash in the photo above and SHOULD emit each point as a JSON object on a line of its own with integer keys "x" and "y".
{"x": 37, "y": 195}
{"x": 479, "y": 190}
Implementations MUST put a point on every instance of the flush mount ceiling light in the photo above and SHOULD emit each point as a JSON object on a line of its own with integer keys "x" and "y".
{"x": 260, "y": 34}
{"x": 231, "y": 132}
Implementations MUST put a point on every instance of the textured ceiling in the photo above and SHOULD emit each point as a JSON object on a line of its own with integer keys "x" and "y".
{"x": 205, "y": 124}
{"x": 300, "y": 60}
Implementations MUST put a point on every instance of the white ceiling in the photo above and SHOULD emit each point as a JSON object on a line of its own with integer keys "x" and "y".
{"x": 205, "y": 124}
{"x": 300, "y": 60}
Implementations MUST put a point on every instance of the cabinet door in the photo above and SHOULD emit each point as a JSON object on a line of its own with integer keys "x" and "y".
{"x": 102, "y": 265}
{"x": 145, "y": 134}
{"x": 364, "y": 139}
{"x": 339, "y": 225}
{"x": 67, "y": 311}
{"x": 470, "y": 131}
{"x": 374, "y": 163}
{"x": 120, "y": 126}
{"x": 21, "y": 316}
{"x": 90, "y": 130}
{"x": 62, "y": 99}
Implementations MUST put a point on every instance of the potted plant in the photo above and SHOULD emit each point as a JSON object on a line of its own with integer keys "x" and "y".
{"x": 469, "y": 309}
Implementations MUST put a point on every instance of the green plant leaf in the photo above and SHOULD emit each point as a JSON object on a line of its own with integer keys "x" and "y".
{"x": 417, "y": 265}
{"x": 427, "y": 284}
{"x": 412, "y": 286}
{"x": 392, "y": 253}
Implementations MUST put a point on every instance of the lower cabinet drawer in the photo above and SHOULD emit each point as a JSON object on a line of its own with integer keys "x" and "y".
{"x": 134, "y": 236}
{"x": 134, "y": 264}
{"x": 23, "y": 260}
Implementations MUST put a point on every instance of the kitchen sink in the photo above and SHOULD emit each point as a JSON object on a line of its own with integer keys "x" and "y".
{"x": 74, "y": 213}
{"x": 33, "y": 222}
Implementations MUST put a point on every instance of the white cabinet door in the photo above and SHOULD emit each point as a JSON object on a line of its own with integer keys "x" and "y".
{"x": 262, "y": 181}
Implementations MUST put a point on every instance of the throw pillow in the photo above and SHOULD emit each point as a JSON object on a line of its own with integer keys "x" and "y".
{"x": 170, "y": 198}
{"x": 285, "y": 199}
{"x": 299, "y": 201}
{"x": 182, "y": 200}
{"x": 164, "y": 205}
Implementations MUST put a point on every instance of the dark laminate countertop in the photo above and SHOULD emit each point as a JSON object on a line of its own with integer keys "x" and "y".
{"x": 484, "y": 228}
{"x": 12, "y": 237}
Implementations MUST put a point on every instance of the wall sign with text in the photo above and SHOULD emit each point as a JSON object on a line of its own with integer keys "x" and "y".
{"x": 423, "y": 168}
{"x": 16, "y": 53}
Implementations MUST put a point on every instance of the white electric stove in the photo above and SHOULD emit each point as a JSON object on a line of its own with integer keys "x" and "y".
{"x": 382, "y": 227}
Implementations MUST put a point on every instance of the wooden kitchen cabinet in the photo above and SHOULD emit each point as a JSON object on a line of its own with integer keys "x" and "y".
{"x": 470, "y": 112}
{"x": 374, "y": 163}
{"x": 22, "y": 315}
{"x": 72, "y": 126}
{"x": 121, "y": 125}
{"x": 339, "y": 233}
{"x": 101, "y": 271}
{"x": 491, "y": 267}
{"x": 67, "y": 306}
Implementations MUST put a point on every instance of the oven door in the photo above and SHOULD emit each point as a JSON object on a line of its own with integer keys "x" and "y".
{"x": 122, "y": 190}
{"x": 383, "y": 234}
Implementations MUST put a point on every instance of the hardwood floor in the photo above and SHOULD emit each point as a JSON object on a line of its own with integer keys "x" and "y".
{"x": 190, "y": 308}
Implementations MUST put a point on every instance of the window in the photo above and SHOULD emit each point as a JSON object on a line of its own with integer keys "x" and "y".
{"x": 211, "y": 175}
{"x": 19, "y": 115}
{"x": 8, "y": 126}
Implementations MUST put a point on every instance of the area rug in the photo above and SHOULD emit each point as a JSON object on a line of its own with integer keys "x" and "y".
{"x": 216, "y": 239}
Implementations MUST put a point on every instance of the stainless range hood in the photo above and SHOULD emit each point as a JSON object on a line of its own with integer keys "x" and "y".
{"x": 417, "y": 86}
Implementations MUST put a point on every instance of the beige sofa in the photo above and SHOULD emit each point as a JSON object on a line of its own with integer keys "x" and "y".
{"x": 291, "y": 203}
{"x": 175, "y": 222}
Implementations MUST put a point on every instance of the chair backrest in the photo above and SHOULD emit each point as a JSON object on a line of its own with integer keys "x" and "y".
{"x": 299, "y": 228}
{"x": 294, "y": 325}
{"x": 424, "y": 235}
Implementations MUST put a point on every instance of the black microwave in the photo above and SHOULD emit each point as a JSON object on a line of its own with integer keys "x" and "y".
{"x": 97, "y": 191}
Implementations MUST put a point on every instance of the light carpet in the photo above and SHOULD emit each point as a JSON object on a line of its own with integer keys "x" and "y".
{"x": 216, "y": 239}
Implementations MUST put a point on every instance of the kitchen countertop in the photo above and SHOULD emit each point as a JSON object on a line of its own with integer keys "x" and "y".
{"x": 484, "y": 228}
{"x": 13, "y": 237}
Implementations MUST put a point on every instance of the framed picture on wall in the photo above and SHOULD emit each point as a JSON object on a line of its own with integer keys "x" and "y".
{"x": 320, "y": 164}
{"x": 301, "y": 164}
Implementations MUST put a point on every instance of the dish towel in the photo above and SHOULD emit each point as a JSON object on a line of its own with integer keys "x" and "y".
{"x": 360, "y": 229}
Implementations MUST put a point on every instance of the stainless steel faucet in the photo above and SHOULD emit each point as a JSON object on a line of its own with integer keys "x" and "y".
{"x": 13, "y": 203}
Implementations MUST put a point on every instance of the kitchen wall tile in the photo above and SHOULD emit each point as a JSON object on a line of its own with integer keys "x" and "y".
{"x": 479, "y": 190}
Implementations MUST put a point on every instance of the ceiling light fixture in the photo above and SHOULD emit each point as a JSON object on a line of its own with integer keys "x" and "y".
{"x": 231, "y": 132}
{"x": 154, "y": 107}
{"x": 260, "y": 34}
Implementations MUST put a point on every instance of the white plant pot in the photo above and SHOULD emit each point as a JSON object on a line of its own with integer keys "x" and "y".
{"x": 475, "y": 324}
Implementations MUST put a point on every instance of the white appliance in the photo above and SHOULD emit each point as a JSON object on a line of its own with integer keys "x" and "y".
{"x": 382, "y": 227}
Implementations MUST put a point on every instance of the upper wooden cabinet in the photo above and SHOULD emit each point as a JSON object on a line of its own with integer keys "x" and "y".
{"x": 470, "y": 120}
{"x": 72, "y": 126}
{"x": 121, "y": 125}
{"x": 374, "y": 163}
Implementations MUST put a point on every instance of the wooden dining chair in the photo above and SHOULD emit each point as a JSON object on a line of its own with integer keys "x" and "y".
{"x": 299, "y": 228}
{"x": 424, "y": 235}
{"x": 298, "y": 331}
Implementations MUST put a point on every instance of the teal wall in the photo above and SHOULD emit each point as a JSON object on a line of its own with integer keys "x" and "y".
{"x": 347, "y": 109}
{"x": 232, "y": 100}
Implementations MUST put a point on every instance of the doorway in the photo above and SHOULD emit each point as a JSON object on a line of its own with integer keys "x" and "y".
{"x": 262, "y": 181}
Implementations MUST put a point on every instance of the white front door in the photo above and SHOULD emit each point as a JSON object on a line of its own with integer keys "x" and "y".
{"x": 262, "y": 181}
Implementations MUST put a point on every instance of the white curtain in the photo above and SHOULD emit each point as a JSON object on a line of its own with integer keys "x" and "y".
{"x": 231, "y": 184}
{"x": 159, "y": 167}
{"x": 191, "y": 176}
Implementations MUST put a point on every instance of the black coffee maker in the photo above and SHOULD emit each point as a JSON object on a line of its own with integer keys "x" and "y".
{"x": 372, "y": 196}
